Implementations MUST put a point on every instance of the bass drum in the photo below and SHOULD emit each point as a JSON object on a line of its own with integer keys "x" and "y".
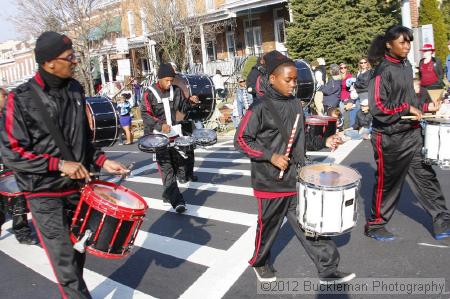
{"x": 103, "y": 120}
{"x": 201, "y": 86}
{"x": 306, "y": 84}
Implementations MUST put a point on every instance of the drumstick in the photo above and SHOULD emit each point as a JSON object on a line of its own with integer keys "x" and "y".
{"x": 425, "y": 116}
{"x": 289, "y": 145}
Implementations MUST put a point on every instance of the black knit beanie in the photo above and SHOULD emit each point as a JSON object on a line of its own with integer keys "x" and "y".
{"x": 166, "y": 70}
{"x": 50, "y": 45}
{"x": 273, "y": 59}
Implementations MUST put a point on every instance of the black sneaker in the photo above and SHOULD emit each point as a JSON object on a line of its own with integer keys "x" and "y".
{"x": 442, "y": 228}
{"x": 180, "y": 208}
{"x": 379, "y": 233}
{"x": 182, "y": 180}
{"x": 27, "y": 240}
{"x": 337, "y": 277}
{"x": 265, "y": 273}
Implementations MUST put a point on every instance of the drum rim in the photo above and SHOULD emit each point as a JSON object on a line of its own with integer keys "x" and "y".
{"x": 143, "y": 148}
{"x": 331, "y": 188}
{"x": 108, "y": 208}
{"x": 439, "y": 121}
{"x": 312, "y": 76}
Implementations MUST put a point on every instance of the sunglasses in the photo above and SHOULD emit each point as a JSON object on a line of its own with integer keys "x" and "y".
{"x": 241, "y": 81}
{"x": 362, "y": 62}
{"x": 71, "y": 58}
{"x": 343, "y": 67}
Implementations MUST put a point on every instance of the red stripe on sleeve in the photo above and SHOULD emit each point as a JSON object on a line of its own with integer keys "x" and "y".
{"x": 251, "y": 152}
{"x": 380, "y": 105}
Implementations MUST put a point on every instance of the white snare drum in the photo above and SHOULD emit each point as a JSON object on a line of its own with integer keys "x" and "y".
{"x": 437, "y": 142}
{"x": 327, "y": 195}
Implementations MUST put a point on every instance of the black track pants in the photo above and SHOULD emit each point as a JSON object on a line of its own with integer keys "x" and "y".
{"x": 398, "y": 157}
{"x": 168, "y": 161}
{"x": 51, "y": 218}
{"x": 271, "y": 213}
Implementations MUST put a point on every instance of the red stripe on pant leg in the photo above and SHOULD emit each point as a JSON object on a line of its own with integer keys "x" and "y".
{"x": 41, "y": 240}
{"x": 258, "y": 237}
{"x": 380, "y": 178}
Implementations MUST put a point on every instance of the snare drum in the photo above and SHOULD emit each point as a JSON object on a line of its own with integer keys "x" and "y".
{"x": 437, "y": 142}
{"x": 152, "y": 143}
{"x": 185, "y": 143}
{"x": 204, "y": 137}
{"x": 113, "y": 214}
{"x": 327, "y": 195}
{"x": 319, "y": 125}
{"x": 11, "y": 199}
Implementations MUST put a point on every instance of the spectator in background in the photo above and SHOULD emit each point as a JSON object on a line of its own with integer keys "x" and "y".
{"x": 332, "y": 89}
{"x": 346, "y": 104}
{"x": 219, "y": 84}
{"x": 430, "y": 69}
{"x": 362, "y": 127}
{"x": 362, "y": 79}
{"x": 336, "y": 113}
{"x": 124, "y": 107}
{"x": 318, "y": 97}
{"x": 323, "y": 69}
{"x": 136, "y": 92}
{"x": 241, "y": 102}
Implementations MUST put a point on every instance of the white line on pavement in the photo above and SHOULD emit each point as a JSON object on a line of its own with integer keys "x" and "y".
{"x": 433, "y": 245}
{"x": 206, "y": 151}
{"x": 223, "y": 160}
{"x": 206, "y": 212}
{"x": 342, "y": 152}
{"x": 225, "y": 142}
{"x": 34, "y": 258}
{"x": 195, "y": 253}
{"x": 222, "y": 145}
{"x": 223, "y": 171}
{"x": 197, "y": 186}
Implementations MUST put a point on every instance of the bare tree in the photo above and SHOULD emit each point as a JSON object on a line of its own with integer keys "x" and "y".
{"x": 175, "y": 27}
{"x": 75, "y": 18}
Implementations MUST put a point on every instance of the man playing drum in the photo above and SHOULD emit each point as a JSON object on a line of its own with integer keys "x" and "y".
{"x": 52, "y": 185}
{"x": 161, "y": 102}
{"x": 261, "y": 138}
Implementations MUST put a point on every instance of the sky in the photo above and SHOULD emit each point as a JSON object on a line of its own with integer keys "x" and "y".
{"x": 7, "y": 30}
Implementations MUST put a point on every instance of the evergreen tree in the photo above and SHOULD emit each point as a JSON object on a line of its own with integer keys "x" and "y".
{"x": 446, "y": 13}
{"x": 429, "y": 13}
{"x": 338, "y": 30}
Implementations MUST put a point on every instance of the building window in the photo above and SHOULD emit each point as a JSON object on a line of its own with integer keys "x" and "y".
{"x": 253, "y": 39}
{"x": 231, "y": 48}
{"x": 143, "y": 14}
{"x": 280, "y": 30}
{"x": 211, "y": 50}
{"x": 131, "y": 24}
{"x": 209, "y": 5}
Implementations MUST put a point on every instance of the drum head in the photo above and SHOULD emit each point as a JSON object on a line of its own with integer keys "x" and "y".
{"x": 184, "y": 141}
{"x": 205, "y": 136}
{"x": 118, "y": 197}
{"x": 329, "y": 175}
{"x": 306, "y": 85}
{"x": 153, "y": 141}
{"x": 8, "y": 186}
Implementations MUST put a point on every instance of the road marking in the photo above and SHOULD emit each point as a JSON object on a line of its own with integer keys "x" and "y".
{"x": 206, "y": 151}
{"x": 219, "y": 278}
{"x": 206, "y": 212}
{"x": 223, "y": 171}
{"x": 433, "y": 245}
{"x": 34, "y": 258}
{"x": 197, "y": 185}
{"x": 223, "y": 160}
{"x": 223, "y": 145}
{"x": 318, "y": 154}
{"x": 195, "y": 253}
{"x": 225, "y": 142}
{"x": 123, "y": 152}
{"x": 342, "y": 152}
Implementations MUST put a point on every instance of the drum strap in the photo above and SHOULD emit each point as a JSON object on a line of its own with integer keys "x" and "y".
{"x": 165, "y": 102}
{"x": 42, "y": 101}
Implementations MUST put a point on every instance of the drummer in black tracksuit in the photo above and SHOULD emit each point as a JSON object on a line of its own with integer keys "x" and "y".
{"x": 157, "y": 119}
{"x": 51, "y": 184}
{"x": 398, "y": 143}
{"x": 260, "y": 138}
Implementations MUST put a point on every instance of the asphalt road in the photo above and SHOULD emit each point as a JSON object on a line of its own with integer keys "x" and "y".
{"x": 204, "y": 252}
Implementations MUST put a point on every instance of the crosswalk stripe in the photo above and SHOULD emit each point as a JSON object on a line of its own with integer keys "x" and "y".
{"x": 34, "y": 258}
{"x": 206, "y": 151}
{"x": 197, "y": 186}
{"x": 223, "y": 171}
{"x": 223, "y": 160}
{"x": 206, "y": 212}
{"x": 223, "y": 145}
{"x": 342, "y": 152}
{"x": 195, "y": 253}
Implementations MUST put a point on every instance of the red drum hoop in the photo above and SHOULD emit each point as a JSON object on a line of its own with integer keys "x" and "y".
{"x": 114, "y": 215}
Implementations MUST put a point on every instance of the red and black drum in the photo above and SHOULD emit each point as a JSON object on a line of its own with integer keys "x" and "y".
{"x": 201, "y": 86}
{"x": 103, "y": 120}
{"x": 11, "y": 198}
{"x": 108, "y": 216}
{"x": 319, "y": 125}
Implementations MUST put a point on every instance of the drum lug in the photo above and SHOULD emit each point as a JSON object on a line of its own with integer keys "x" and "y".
{"x": 80, "y": 246}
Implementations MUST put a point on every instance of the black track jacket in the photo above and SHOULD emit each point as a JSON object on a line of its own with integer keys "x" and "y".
{"x": 27, "y": 146}
{"x": 391, "y": 93}
{"x": 259, "y": 138}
